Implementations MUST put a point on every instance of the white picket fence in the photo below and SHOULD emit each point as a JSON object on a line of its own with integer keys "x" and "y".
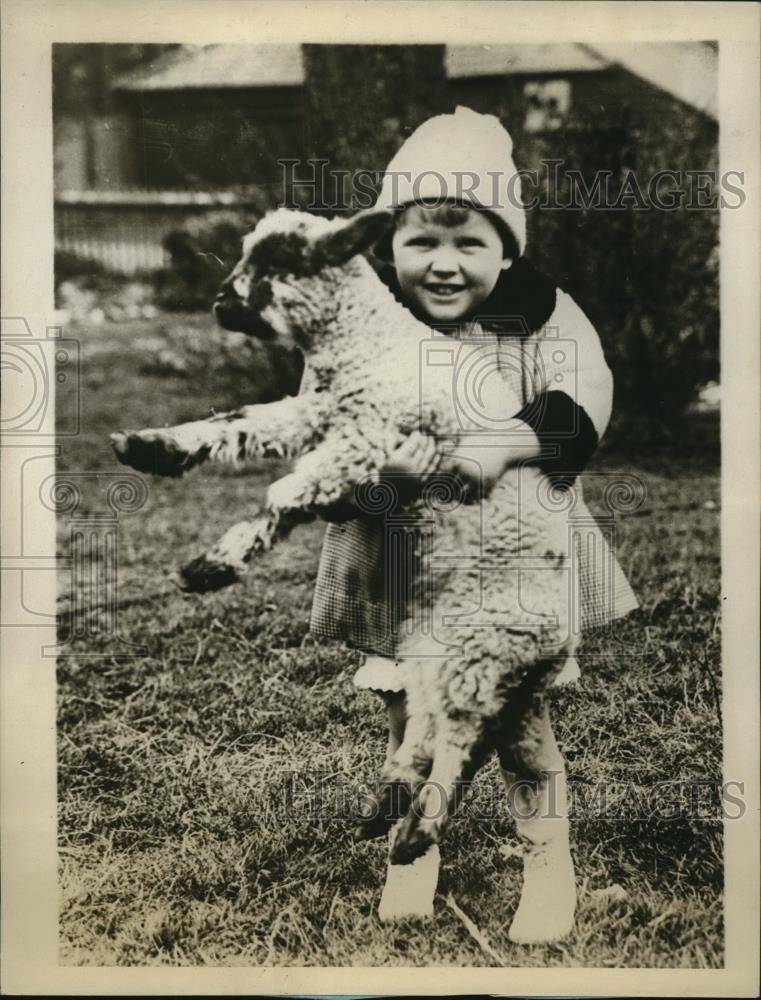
{"x": 123, "y": 230}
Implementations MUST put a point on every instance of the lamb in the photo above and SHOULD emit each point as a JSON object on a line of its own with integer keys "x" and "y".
{"x": 497, "y": 628}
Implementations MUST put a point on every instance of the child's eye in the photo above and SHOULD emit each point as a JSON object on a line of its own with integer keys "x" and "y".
{"x": 420, "y": 241}
{"x": 468, "y": 242}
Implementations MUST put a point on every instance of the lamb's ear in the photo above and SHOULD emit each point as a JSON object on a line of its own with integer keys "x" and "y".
{"x": 351, "y": 238}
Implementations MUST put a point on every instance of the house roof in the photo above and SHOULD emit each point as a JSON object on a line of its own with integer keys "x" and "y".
{"x": 686, "y": 70}
{"x": 210, "y": 66}
{"x": 495, "y": 60}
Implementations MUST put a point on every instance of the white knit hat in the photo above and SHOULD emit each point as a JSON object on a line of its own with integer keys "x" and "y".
{"x": 465, "y": 157}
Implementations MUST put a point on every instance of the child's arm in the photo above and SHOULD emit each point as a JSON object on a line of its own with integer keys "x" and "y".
{"x": 559, "y": 428}
{"x": 567, "y": 415}
{"x": 573, "y": 397}
{"x": 481, "y": 460}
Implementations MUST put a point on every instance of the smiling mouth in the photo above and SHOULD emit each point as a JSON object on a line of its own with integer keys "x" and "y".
{"x": 444, "y": 291}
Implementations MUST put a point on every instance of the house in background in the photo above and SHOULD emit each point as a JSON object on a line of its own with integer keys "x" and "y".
{"x": 92, "y": 138}
{"x": 543, "y": 85}
{"x": 215, "y": 117}
{"x": 197, "y": 118}
{"x": 146, "y": 136}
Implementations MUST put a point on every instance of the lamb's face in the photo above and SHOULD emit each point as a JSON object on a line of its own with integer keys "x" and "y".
{"x": 281, "y": 259}
{"x": 277, "y": 247}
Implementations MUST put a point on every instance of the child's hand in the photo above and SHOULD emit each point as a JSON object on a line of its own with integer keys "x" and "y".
{"x": 408, "y": 467}
{"x": 417, "y": 458}
{"x": 411, "y": 464}
{"x": 480, "y": 465}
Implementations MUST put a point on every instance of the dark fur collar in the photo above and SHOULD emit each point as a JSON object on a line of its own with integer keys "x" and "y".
{"x": 521, "y": 303}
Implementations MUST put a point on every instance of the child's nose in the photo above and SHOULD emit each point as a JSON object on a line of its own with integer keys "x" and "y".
{"x": 444, "y": 262}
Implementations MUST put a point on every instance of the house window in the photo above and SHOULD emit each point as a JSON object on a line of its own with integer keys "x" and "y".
{"x": 547, "y": 104}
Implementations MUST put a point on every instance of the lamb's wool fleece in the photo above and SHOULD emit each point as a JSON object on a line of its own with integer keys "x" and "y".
{"x": 366, "y": 387}
{"x": 363, "y": 389}
{"x": 515, "y": 585}
{"x": 505, "y": 612}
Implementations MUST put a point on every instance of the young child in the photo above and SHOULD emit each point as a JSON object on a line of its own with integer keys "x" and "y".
{"x": 456, "y": 261}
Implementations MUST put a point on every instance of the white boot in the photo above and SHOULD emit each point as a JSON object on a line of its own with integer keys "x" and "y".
{"x": 409, "y": 889}
{"x": 570, "y": 673}
{"x": 548, "y": 897}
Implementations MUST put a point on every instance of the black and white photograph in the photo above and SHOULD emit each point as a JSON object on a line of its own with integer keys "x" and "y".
{"x": 380, "y": 416}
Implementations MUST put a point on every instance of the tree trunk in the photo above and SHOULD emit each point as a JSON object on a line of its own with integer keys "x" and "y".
{"x": 361, "y": 102}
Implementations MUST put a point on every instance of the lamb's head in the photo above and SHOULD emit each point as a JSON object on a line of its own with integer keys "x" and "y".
{"x": 287, "y": 278}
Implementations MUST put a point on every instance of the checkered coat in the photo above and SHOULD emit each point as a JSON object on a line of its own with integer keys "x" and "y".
{"x": 549, "y": 354}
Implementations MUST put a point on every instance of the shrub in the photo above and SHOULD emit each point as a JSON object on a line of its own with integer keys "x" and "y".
{"x": 88, "y": 292}
{"x": 202, "y": 253}
{"x": 70, "y": 266}
{"x": 647, "y": 278}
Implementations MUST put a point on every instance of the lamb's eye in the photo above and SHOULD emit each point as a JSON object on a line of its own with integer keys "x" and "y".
{"x": 242, "y": 285}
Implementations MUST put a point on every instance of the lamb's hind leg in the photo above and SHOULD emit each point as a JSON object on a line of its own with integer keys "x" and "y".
{"x": 408, "y": 890}
{"x": 412, "y": 875}
{"x": 403, "y": 772}
{"x": 534, "y": 773}
{"x": 460, "y": 748}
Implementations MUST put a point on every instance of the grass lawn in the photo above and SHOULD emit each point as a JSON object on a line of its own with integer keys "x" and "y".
{"x": 185, "y": 837}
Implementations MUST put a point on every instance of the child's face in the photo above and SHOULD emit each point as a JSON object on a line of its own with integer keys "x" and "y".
{"x": 446, "y": 271}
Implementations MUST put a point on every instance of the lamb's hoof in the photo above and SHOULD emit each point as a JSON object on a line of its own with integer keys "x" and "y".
{"x": 378, "y": 813}
{"x": 409, "y": 889}
{"x": 570, "y": 673}
{"x": 201, "y": 575}
{"x": 548, "y": 900}
{"x": 370, "y": 825}
{"x": 411, "y": 843}
{"x": 148, "y": 454}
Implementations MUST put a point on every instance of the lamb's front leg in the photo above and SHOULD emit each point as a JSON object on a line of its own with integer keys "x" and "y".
{"x": 276, "y": 429}
{"x": 225, "y": 563}
{"x": 286, "y": 505}
{"x": 320, "y": 479}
